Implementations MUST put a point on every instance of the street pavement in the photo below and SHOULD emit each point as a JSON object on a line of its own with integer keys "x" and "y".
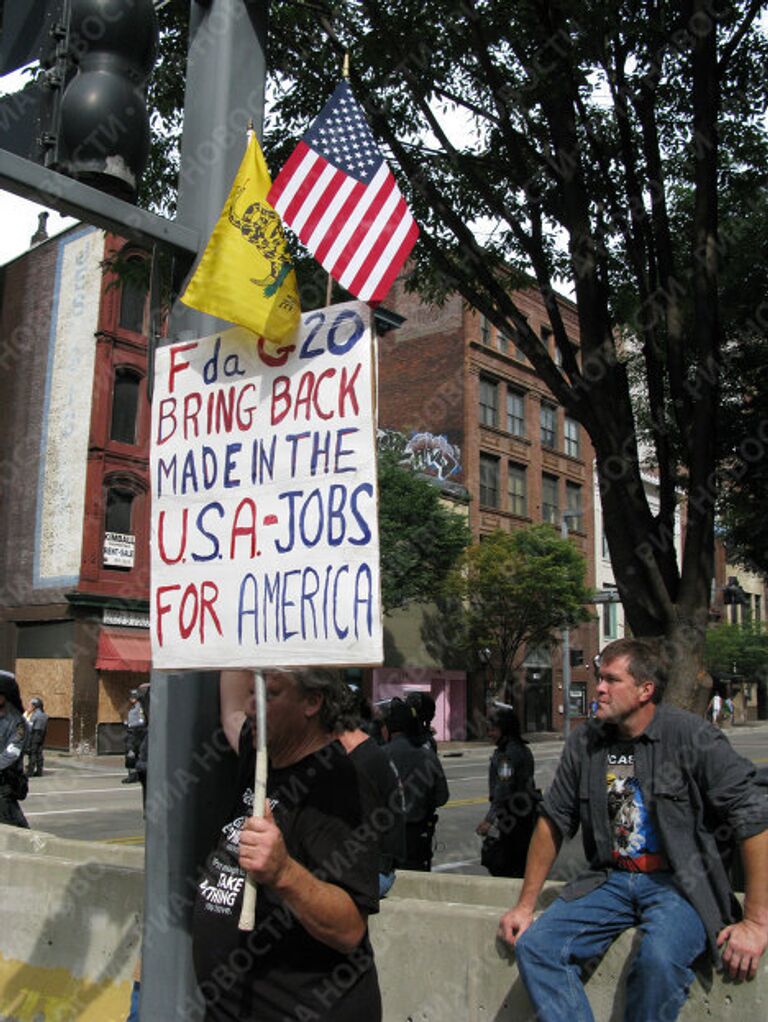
{"x": 83, "y": 797}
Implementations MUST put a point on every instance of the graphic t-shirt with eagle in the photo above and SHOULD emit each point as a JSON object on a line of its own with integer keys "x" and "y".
{"x": 635, "y": 842}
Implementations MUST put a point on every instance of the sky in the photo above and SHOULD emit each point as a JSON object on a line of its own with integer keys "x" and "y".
{"x": 18, "y": 222}
{"x": 18, "y": 217}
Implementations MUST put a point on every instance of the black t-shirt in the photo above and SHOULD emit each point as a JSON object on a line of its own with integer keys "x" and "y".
{"x": 278, "y": 972}
{"x": 383, "y": 800}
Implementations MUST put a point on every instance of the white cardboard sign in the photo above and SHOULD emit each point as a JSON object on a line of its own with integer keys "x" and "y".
{"x": 265, "y": 547}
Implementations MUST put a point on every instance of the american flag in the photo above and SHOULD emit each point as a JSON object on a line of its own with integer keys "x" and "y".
{"x": 340, "y": 197}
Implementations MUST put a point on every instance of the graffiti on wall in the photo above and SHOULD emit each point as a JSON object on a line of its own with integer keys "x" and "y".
{"x": 433, "y": 455}
{"x": 423, "y": 452}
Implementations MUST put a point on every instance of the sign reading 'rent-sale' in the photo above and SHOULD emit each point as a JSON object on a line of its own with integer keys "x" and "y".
{"x": 265, "y": 548}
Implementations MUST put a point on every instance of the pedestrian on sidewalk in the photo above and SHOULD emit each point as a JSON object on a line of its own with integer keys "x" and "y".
{"x": 135, "y": 730}
{"x": 729, "y": 710}
{"x": 424, "y": 707}
{"x": 13, "y": 743}
{"x": 37, "y": 720}
{"x": 714, "y": 708}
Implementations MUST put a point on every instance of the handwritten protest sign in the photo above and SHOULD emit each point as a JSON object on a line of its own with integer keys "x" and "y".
{"x": 265, "y": 547}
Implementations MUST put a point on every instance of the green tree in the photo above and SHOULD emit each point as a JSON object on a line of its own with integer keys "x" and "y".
{"x": 743, "y": 484}
{"x": 599, "y": 140}
{"x": 739, "y": 649}
{"x": 599, "y": 137}
{"x": 420, "y": 538}
{"x": 517, "y": 590}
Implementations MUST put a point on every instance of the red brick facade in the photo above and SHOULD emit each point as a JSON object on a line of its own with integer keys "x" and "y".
{"x": 436, "y": 373}
{"x": 67, "y": 333}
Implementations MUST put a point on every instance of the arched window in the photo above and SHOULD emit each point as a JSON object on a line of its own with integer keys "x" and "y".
{"x": 118, "y": 514}
{"x": 125, "y": 403}
{"x": 119, "y": 541}
{"x": 133, "y": 298}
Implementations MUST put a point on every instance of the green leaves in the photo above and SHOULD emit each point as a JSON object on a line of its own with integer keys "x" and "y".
{"x": 739, "y": 648}
{"x": 518, "y": 589}
{"x": 420, "y": 536}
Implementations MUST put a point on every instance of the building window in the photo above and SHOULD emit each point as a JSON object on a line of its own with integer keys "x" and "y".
{"x": 125, "y": 403}
{"x": 606, "y": 551}
{"x": 548, "y": 419}
{"x": 489, "y": 480}
{"x": 546, "y": 335}
{"x": 133, "y": 300}
{"x": 119, "y": 506}
{"x": 517, "y": 489}
{"x": 503, "y": 342}
{"x": 573, "y": 504}
{"x": 572, "y": 445}
{"x": 758, "y": 608}
{"x": 119, "y": 541}
{"x": 485, "y": 330}
{"x": 578, "y": 698}
{"x": 550, "y": 507}
{"x": 515, "y": 412}
{"x": 489, "y": 402}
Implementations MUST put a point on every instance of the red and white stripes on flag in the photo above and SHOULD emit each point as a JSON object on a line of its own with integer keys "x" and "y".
{"x": 339, "y": 196}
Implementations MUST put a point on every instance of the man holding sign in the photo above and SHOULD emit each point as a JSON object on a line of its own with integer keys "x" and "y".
{"x": 314, "y": 861}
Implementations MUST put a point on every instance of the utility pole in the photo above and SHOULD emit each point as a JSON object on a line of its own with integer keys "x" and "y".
{"x": 192, "y": 772}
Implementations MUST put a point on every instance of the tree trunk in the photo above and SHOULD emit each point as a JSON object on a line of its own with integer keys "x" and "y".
{"x": 689, "y": 684}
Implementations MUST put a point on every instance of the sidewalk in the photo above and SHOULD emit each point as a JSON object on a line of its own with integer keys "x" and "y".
{"x": 537, "y": 737}
{"x": 71, "y": 761}
{"x": 475, "y": 744}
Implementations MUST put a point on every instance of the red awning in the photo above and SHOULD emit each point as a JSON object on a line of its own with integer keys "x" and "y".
{"x": 124, "y": 649}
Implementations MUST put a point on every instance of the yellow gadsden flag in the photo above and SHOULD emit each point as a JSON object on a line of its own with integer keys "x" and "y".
{"x": 245, "y": 274}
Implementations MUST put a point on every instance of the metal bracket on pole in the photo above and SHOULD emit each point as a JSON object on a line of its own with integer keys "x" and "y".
{"x": 31, "y": 181}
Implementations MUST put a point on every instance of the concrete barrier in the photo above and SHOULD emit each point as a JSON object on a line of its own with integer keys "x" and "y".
{"x": 71, "y": 928}
{"x": 439, "y": 959}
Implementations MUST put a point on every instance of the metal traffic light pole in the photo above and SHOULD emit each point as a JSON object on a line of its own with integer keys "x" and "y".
{"x": 192, "y": 773}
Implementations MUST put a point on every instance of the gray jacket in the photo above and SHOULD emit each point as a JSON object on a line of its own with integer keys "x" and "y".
{"x": 693, "y": 782}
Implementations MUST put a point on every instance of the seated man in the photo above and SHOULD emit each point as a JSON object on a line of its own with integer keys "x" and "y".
{"x": 648, "y": 784}
{"x": 316, "y": 868}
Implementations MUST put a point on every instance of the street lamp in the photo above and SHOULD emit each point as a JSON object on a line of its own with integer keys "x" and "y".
{"x": 566, "y": 642}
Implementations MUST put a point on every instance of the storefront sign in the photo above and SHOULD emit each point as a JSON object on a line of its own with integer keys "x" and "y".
{"x": 125, "y": 618}
{"x": 119, "y": 549}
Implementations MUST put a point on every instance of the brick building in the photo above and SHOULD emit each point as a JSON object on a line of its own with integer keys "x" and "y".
{"x": 477, "y": 415}
{"x": 74, "y": 514}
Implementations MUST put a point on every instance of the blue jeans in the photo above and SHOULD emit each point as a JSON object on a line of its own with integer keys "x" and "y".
{"x": 385, "y": 883}
{"x": 134, "y": 1011}
{"x": 572, "y": 935}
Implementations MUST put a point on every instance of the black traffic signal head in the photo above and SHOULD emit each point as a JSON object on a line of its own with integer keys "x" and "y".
{"x": 85, "y": 115}
{"x": 103, "y": 125}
